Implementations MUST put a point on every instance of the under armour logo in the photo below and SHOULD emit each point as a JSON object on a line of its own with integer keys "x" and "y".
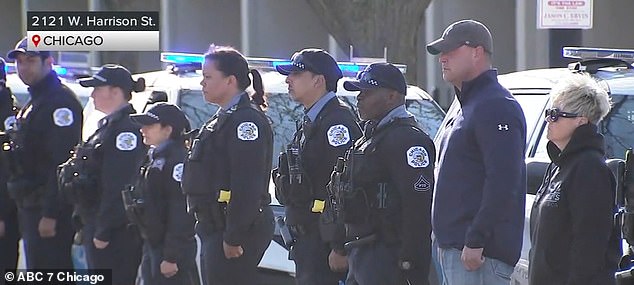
{"x": 503, "y": 127}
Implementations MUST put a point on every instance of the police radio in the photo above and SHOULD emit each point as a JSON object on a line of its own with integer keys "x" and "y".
{"x": 294, "y": 164}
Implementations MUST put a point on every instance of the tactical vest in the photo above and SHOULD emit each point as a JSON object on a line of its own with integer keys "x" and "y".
{"x": 362, "y": 190}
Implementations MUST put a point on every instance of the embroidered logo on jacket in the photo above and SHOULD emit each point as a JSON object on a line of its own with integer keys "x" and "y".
{"x": 247, "y": 131}
{"x": 126, "y": 141}
{"x": 338, "y": 135}
{"x": 63, "y": 117}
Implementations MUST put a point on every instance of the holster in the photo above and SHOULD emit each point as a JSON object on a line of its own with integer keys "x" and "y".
{"x": 133, "y": 205}
{"x": 209, "y": 213}
{"x": 281, "y": 179}
{"x": 360, "y": 241}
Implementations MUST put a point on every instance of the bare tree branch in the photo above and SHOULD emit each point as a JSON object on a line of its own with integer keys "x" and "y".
{"x": 371, "y": 25}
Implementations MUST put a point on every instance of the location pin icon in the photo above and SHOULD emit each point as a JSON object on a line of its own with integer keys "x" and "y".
{"x": 35, "y": 39}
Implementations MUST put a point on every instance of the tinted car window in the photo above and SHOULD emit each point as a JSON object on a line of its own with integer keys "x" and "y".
{"x": 616, "y": 128}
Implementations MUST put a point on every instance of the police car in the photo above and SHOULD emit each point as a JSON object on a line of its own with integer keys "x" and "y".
{"x": 179, "y": 84}
{"x": 614, "y": 70}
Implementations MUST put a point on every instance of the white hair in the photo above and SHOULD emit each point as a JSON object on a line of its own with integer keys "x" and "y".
{"x": 583, "y": 95}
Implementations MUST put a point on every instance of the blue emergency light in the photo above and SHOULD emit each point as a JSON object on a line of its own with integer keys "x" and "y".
{"x": 582, "y": 53}
{"x": 347, "y": 68}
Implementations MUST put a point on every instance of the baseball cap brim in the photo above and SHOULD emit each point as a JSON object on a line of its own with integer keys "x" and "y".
{"x": 442, "y": 45}
{"x": 356, "y": 85}
{"x": 91, "y": 82}
{"x": 13, "y": 54}
{"x": 286, "y": 69}
{"x": 144, "y": 119}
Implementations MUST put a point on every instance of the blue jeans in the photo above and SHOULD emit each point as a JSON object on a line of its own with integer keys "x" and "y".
{"x": 492, "y": 272}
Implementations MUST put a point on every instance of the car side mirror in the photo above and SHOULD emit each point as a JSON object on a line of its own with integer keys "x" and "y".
{"x": 155, "y": 97}
{"x": 535, "y": 171}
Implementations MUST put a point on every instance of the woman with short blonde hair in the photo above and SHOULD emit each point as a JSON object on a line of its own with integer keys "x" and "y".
{"x": 571, "y": 222}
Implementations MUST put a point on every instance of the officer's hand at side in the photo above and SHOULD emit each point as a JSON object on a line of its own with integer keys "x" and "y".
{"x": 47, "y": 227}
{"x": 472, "y": 258}
{"x": 338, "y": 262}
{"x": 2, "y": 229}
{"x": 232, "y": 251}
{"x": 100, "y": 244}
{"x": 168, "y": 269}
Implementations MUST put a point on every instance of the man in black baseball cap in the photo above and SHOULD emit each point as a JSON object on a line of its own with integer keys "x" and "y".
{"x": 54, "y": 116}
{"x": 328, "y": 129}
{"x": 317, "y": 61}
{"x": 400, "y": 158}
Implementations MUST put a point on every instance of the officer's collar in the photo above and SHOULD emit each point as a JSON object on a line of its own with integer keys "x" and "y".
{"x": 125, "y": 110}
{"x": 233, "y": 103}
{"x": 397, "y": 113}
{"x": 49, "y": 80}
{"x": 162, "y": 147}
{"x": 314, "y": 110}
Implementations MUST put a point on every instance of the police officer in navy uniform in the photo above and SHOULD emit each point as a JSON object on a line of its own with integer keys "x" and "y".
{"x": 9, "y": 230}
{"x": 328, "y": 130}
{"x": 387, "y": 181}
{"x": 156, "y": 203}
{"x": 99, "y": 170}
{"x": 46, "y": 129}
{"x": 226, "y": 173}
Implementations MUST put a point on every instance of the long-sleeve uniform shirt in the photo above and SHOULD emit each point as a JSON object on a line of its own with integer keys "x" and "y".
{"x": 232, "y": 153}
{"x": 166, "y": 223}
{"x": 49, "y": 126}
{"x": 119, "y": 151}
{"x": 329, "y": 129}
{"x": 394, "y": 168}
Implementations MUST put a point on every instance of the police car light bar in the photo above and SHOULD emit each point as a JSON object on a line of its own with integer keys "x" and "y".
{"x": 582, "y": 53}
{"x": 347, "y": 68}
{"x": 10, "y": 68}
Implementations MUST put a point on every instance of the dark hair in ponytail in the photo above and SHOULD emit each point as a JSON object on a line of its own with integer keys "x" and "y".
{"x": 258, "y": 97}
{"x": 137, "y": 86}
{"x": 231, "y": 62}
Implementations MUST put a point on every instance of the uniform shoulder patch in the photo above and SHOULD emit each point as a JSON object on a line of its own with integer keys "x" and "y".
{"x": 338, "y": 135}
{"x": 417, "y": 157}
{"x": 9, "y": 122}
{"x": 63, "y": 117}
{"x": 177, "y": 172}
{"x": 126, "y": 141}
{"x": 247, "y": 131}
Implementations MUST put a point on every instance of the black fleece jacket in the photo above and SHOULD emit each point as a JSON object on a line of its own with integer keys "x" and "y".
{"x": 572, "y": 234}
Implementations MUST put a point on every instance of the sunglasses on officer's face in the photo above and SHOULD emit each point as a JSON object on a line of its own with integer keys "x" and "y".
{"x": 553, "y": 114}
